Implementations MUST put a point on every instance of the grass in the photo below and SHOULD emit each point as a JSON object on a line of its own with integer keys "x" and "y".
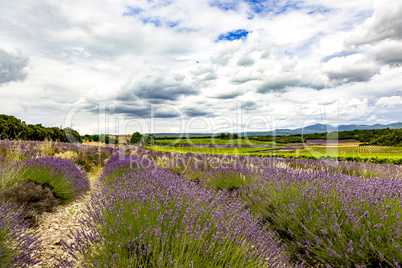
{"x": 371, "y": 154}
{"x": 9, "y": 176}
{"x": 157, "y": 219}
{"x": 338, "y": 222}
{"x": 217, "y": 141}
{"x": 179, "y": 249}
{"x": 18, "y": 248}
{"x": 323, "y": 217}
{"x": 337, "y": 152}
{"x": 61, "y": 187}
{"x": 208, "y": 150}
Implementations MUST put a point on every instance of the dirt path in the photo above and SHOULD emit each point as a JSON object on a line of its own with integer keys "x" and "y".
{"x": 56, "y": 226}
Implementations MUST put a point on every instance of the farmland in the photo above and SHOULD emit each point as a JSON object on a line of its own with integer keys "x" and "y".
{"x": 166, "y": 209}
{"x": 343, "y": 151}
{"x": 214, "y": 141}
{"x": 370, "y": 153}
{"x": 210, "y": 150}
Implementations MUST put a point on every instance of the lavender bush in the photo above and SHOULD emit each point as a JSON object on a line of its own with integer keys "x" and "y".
{"x": 18, "y": 248}
{"x": 219, "y": 176}
{"x": 332, "y": 219}
{"x": 369, "y": 170}
{"x": 149, "y": 217}
{"x": 20, "y": 150}
{"x": 65, "y": 179}
{"x": 324, "y": 216}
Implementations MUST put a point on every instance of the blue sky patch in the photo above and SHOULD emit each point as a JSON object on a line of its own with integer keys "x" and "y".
{"x": 257, "y": 5}
{"x": 339, "y": 54}
{"x": 154, "y": 21}
{"x": 172, "y": 24}
{"x": 318, "y": 9}
{"x": 238, "y": 34}
{"x": 261, "y": 6}
{"x": 291, "y": 5}
{"x": 232, "y": 5}
{"x": 274, "y": 6}
{"x": 132, "y": 11}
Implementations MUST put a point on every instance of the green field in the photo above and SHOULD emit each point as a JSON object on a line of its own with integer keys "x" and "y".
{"x": 374, "y": 154}
{"x": 217, "y": 141}
{"x": 371, "y": 153}
{"x": 210, "y": 150}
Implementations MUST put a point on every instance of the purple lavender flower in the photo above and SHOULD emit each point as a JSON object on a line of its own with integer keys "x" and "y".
{"x": 65, "y": 179}
{"x": 150, "y": 217}
{"x": 18, "y": 247}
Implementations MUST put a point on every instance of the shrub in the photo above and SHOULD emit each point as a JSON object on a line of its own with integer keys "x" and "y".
{"x": 152, "y": 218}
{"x": 35, "y": 199}
{"x": 87, "y": 160}
{"x": 18, "y": 248}
{"x": 331, "y": 218}
{"x": 120, "y": 165}
{"x": 61, "y": 175}
{"x": 93, "y": 157}
{"x": 229, "y": 178}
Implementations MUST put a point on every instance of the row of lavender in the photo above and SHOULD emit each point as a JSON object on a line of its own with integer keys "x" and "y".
{"x": 258, "y": 164}
{"x": 84, "y": 156}
{"x": 147, "y": 216}
{"x": 322, "y": 216}
{"x": 228, "y": 146}
{"x": 33, "y": 180}
{"x": 169, "y": 210}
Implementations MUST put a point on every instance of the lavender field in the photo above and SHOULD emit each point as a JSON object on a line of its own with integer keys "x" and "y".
{"x": 163, "y": 209}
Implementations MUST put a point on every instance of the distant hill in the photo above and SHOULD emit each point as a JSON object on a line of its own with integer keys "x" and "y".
{"x": 322, "y": 128}
{"x": 317, "y": 128}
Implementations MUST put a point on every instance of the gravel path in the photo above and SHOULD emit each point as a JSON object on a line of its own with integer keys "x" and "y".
{"x": 56, "y": 225}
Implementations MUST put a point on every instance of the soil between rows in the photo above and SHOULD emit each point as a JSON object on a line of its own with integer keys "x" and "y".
{"x": 55, "y": 226}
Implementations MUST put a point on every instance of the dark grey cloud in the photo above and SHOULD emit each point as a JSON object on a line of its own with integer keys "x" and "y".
{"x": 388, "y": 52}
{"x": 224, "y": 56}
{"x": 277, "y": 84}
{"x": 204, "y": 74}
{"x": 242, "y": 80}
{"x": 195, "y": 112}
{"x": 350, "y": 69}
{"x": 167, "y": 91}
{"x": 209, "y": 77}
{"x": 245, "y": 61}
{"x": 143, "y": 111}
{"x": 157, "y": 88}
{"x": 228, "y": 95}
{"x": 386, "y": 23}
{"x": 12, "y": 67}
{"x": 351, "y": 75}
{"x": 249, "y": 105}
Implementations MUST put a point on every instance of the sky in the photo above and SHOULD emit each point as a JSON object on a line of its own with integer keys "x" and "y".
{"x": 200, "y": 66}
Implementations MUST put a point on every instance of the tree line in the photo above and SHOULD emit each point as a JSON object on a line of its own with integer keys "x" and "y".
{"x": 12, "y": 128}
{"x": 383, "y": 137}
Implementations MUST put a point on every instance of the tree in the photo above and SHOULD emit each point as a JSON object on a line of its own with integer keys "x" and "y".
{"x": 135, "y": 138}
{"x": 15, "y": 129}
{"x": 95, "y": 137}
{"x": 104, "y": 139}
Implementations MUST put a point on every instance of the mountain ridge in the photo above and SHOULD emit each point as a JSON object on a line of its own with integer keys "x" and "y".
{"x": 311, "y": 129}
